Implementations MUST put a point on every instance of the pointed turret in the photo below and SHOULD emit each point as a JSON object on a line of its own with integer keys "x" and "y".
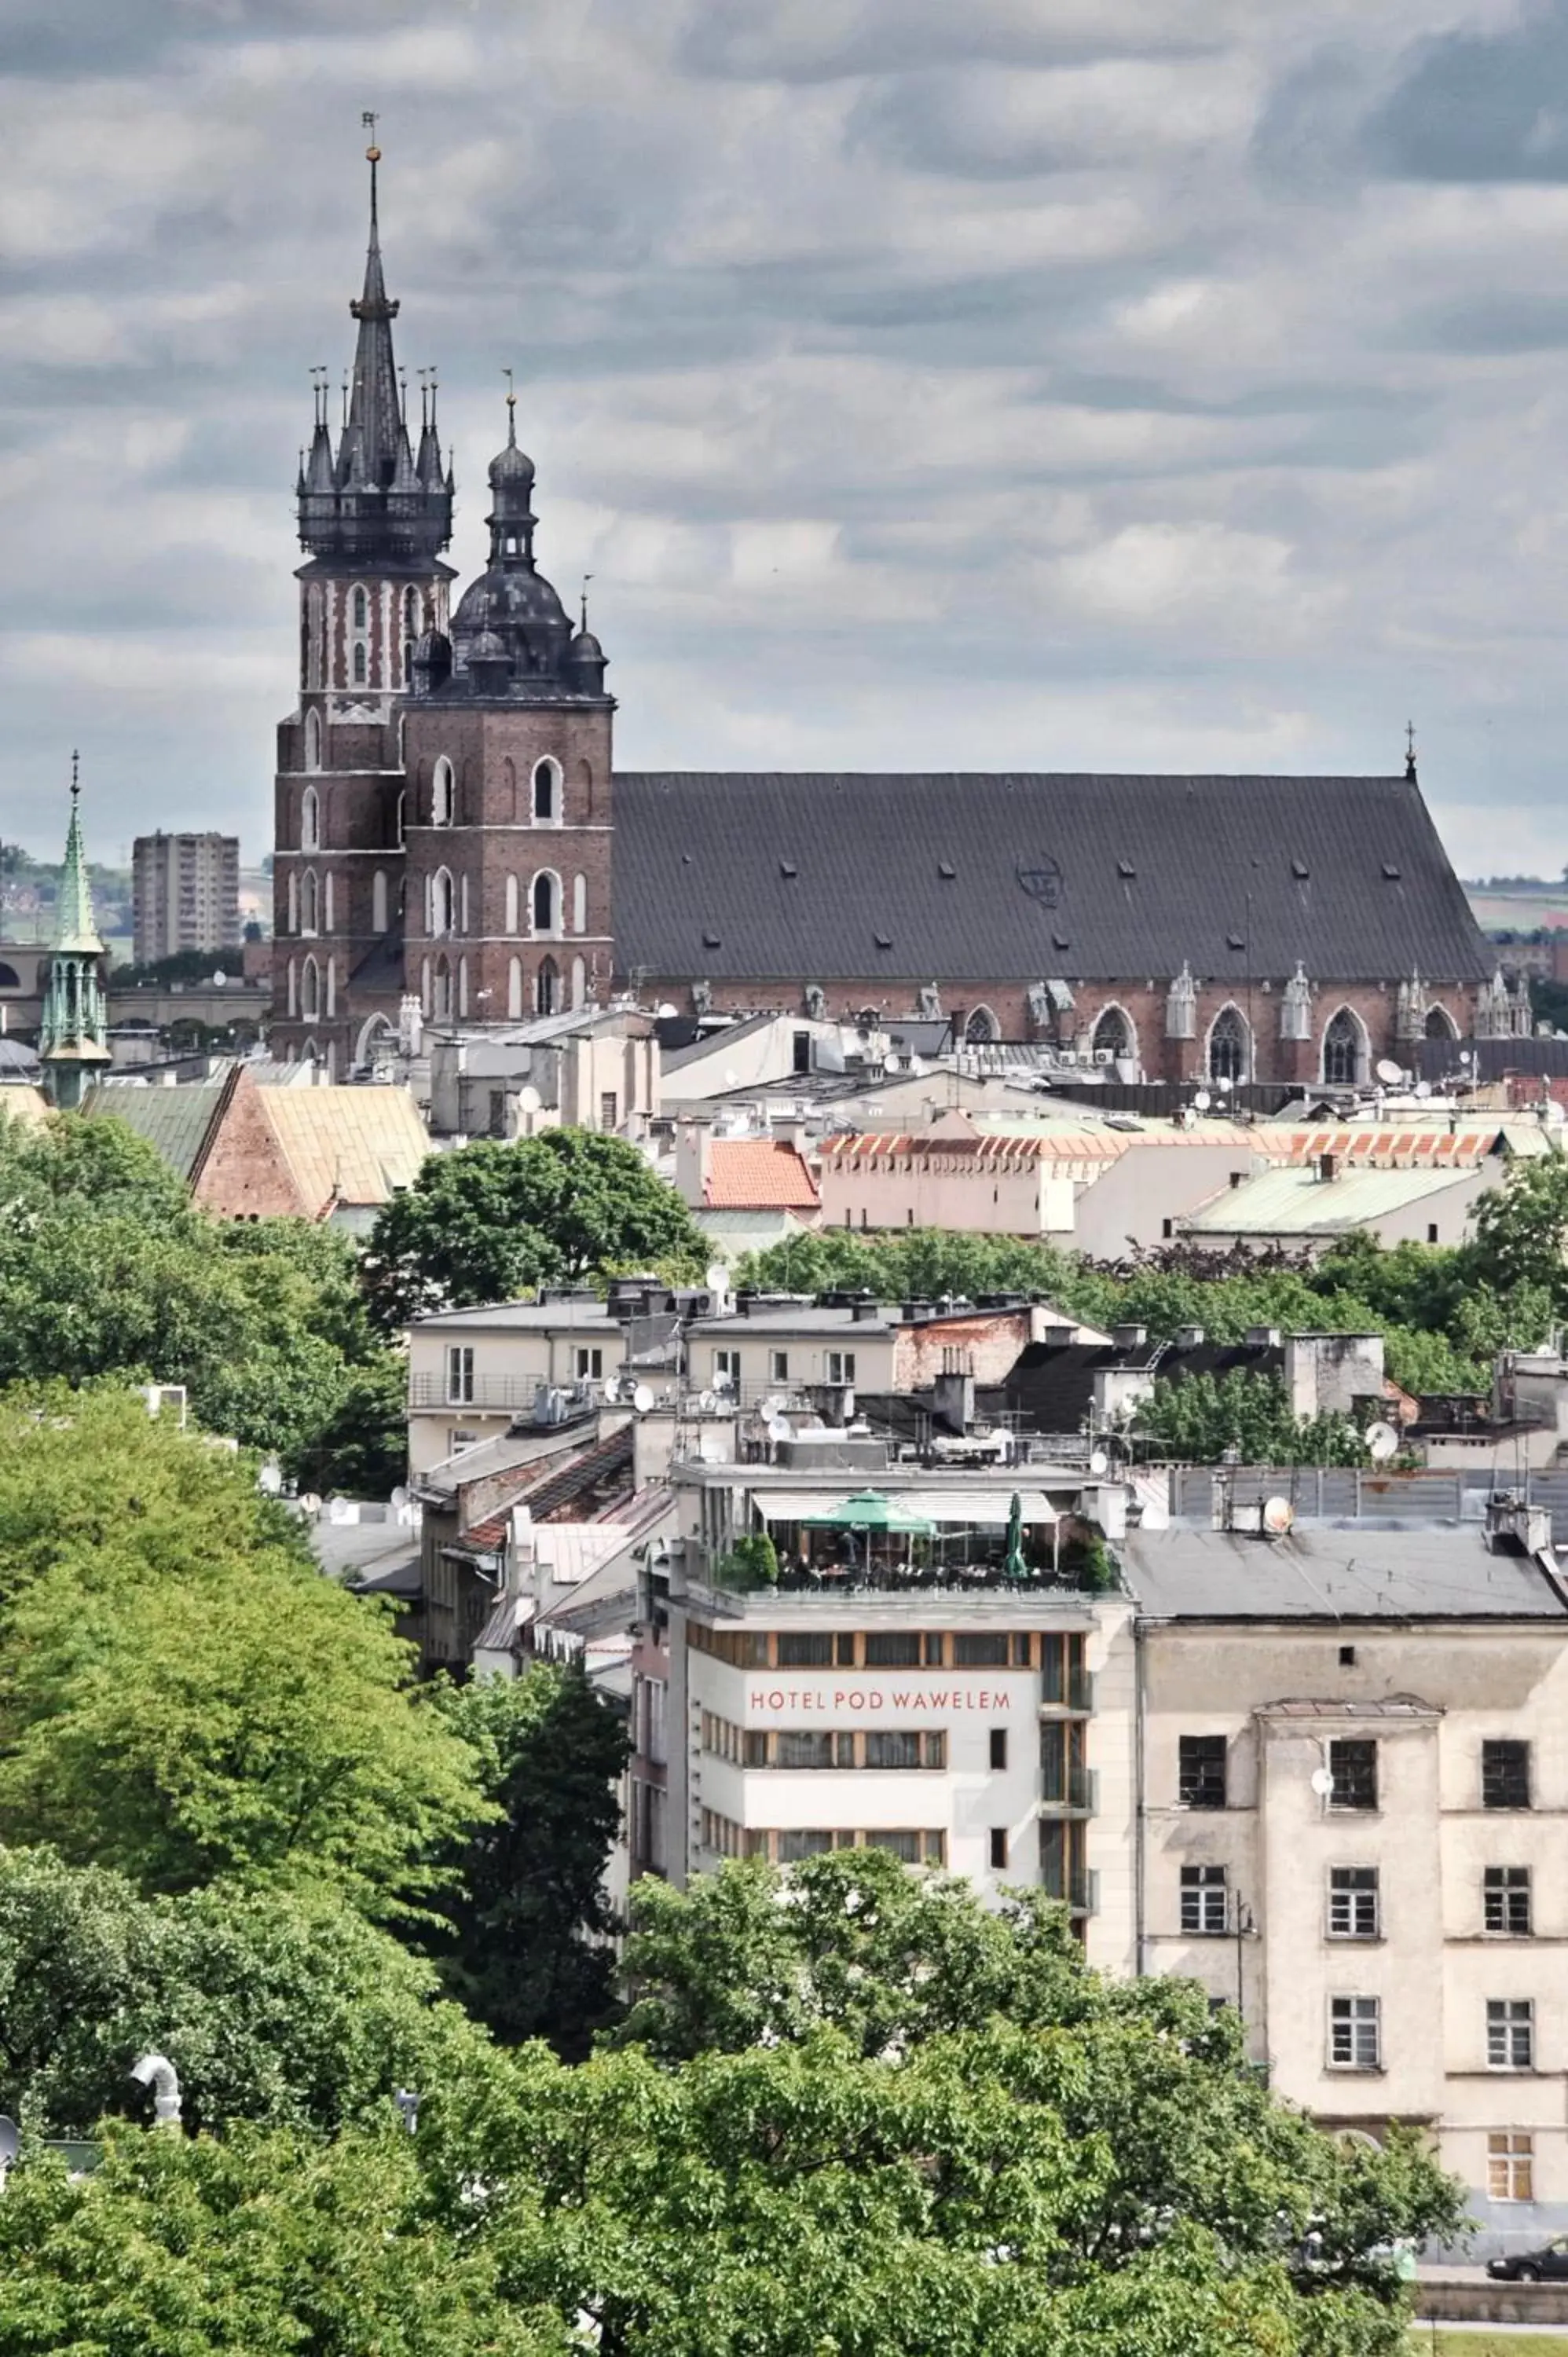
{"x": 73, "y": 1030}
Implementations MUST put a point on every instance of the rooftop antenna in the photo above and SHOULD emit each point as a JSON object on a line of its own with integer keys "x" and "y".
{"x": 510, "y": 408}
{"x": 423, "y": 376}
{"x": 587, "y": 578}
{"x": 1410, "y": 749}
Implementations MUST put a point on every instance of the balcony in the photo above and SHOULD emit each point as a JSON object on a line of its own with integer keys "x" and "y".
{"x": 1069, "y": 1790}
{"x": 478, "y": 1392}
{"x": 1073, "y": 1694}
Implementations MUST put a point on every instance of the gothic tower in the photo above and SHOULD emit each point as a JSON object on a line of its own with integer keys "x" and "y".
{"x": 507, "y": 746}
{"x": 73, "y": 1033}
{"x": 374, "y": 518}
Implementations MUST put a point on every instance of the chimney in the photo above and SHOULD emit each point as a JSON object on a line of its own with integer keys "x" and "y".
{"x": 865, "y": 1313}
{"x": 1189, "y": 1337}
{"x": 1262, "y": 1338}
{"x": 1129, "y": 1337}
{"x": 953, "y": 1402}
{"x": 693, "y": 1162}
{"x": 1328, "y": 1169}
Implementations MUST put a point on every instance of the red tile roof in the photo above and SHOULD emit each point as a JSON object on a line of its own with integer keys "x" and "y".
{"x": 756, "y": 1174}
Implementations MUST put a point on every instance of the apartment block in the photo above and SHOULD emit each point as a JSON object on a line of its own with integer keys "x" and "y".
{"x": 184, "y": 894}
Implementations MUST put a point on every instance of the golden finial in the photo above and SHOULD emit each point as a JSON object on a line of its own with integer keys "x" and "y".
{"x": 372, "y": 153}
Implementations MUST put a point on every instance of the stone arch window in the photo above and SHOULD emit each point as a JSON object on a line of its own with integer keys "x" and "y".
{"x": 309, "y": 902}
{"x": 1112, "y": 1034}
{"x": 310, "y": 819}
{"x": 312, "y": 739}
{"x": 1343, "y": 1050}
{"x": 379, "y": 901}
{"x": 331, "y": 986}
{"x": 361, "y": 609}
{"x": 579, "y": 982}
{"x": 424, "y": 986}
{"x": 310, "y": 990}
{"x": 292, "y": 988}
{"x": 511, "y": 905}
{"x": 328, "y": 897}
{"x": 361, "y": 663}
{"x": 294, "y": 900}
{"x": 1230, "y": 1046}
{"x": 579, "y": 904}
{"x": 981, "y": 1028}
{"x": 463, "y": 905}
{"x": 310, "y": 1053}
{"x": 443, "y": 793}
{"x": 1440, "y": 1024}
{"x": 440, "y": 903}
{"x": 509, "y": 789}
{"x": 514, "y": 988}
{"x": 547, "y": 791}
{"x": 442, "y": 1006}
{"x": 399, "y": 820}
{"x": 547, "y": 987}
{"x": 544, "y": 902}
{"x": 462, "y": 985}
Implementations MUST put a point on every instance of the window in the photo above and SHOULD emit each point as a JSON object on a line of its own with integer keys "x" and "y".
{"x": 609, "y": 1109}
{"x": 1505, "y": 1775}
{"x": 361, "y": 611}
{"x": 590, "y": 1362}
{"x": 309, "y": 819}
{"x": 998, "y": 1849}
{"x": 1510, "y": 2167}
{"x": 1342, "y": 1050}
{"x": 801, "y": 1052}
{"x": 888, "y": 1750}
{"x": 841, "y": 1366}
{"x": 1510, "y": 2033}
{"x": 843, "y": 1652}
{"x": 936, "y": 1650}
{"x": 906, "y": 1846}
{"x": 1112, "y": 1034}
{"x": 1203, "y": 1900}
{"x": 727, "y": 1369}
{"x": 440, "y": 903}
{"x": 546, "y": 788}
{"x": 1355, "y": 2033}
{"x": 795, "y": 1749}
{"x": 542, "y": 900}
{"x": 460, "y": 1375}
{"x": 359, "y": 663}
{"x": 510, "y": 904}
{"x": 1353, "y": 1902}
{"x": 514, "y": 987}
{"x": 1228, "y": 1047}
{"x": 1346, "y": 1657}
{"x": 379, "y": 901}
{"x": 309, "y": 902}
{"x": 885, "y": 1651}
{"x": 1200, "y": 1772}
{"x": 794, "y": 1846}
{"x": 805, "y": 1649}
{"x": 579, "y": 904}
{"x": 546, "y": 987}
{"x": 1353, "y": 1764}
{"x": 779, "y": 1366}
{"x": 1505, "y": 1896}
{"x": 442, "y": 794}
{"x": 980, "y": 1653}
{"x": 998, "y": 1749}
{"x": 309, "y": 991}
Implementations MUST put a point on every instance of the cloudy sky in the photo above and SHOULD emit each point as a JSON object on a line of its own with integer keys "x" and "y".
{"x": 1143, "y": 385}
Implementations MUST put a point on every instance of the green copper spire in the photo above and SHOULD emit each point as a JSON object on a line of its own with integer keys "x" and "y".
{"x": 73, "y": 1033}
{"x": 75, "y": 927}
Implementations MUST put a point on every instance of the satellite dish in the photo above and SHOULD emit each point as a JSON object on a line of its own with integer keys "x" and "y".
{"x": 1225, "y": 1084}
{"x": 664, "y": 1012}
{"x": 1423, "y": 1088}
{"x": 529, "y": 1099}
{"x": 716, "y": 1277}
{"x": 10, "y": 2140}
{"x": 1391, "y": 1074}
{"x": 400, "y": 1496}
{"x": 1278, "y": 1516}
{"x": 772, "y": 1407}
{"x": 777, "y": 1427}
{"x": 311, "y": 1502}
{"x": 1382, "y": 1442}
{"x": 1202, "y": 1101}
{"x": 1100, "y": 1462}
{"x": 642, "y": 1399}
{"x": 219, "y": 979}
{"x": 1322, "y": 1783}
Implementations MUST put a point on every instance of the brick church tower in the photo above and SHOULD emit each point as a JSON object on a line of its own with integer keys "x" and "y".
{"x": 374, "y": 518}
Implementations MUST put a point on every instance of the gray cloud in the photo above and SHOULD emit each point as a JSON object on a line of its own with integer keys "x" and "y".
{"x": 1134, "y": 382}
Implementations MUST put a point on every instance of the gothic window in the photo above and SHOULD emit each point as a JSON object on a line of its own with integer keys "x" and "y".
{"x": 1440, "y": 1025}
{"x": 312, "y": 739}
{"x": 327, "y": 897}
{"x": 441, "y": 902}
{"x": 361, "y": 611}
{"x": 443, "y": 997}
{"x": 462, "y": 985}
{"x": 514, "y": 988}
{"x": 408, "y": 662}
{"x": 442, "y": 794}
{"x": 425, "y": 1001}
{"x": 379, "y": 902}
{"x": 331, "y": 986}
{"x": 546, "y": 788}
{"x": 1228, "y": 1046}
{"x": 463, "y": 904}
{"x": 546, "y": 987}
{"x": 510, "y": 924}
{"x": 545, "y": 902}
{"x": 1342, "y": 1059}
{"x": 579, "y": 982}
{"x": 1112, "y": 1034}
{"x": 293, "y": 988}
{"x": 310, "y": 991}
{"x": 981, "y": 1028}
{"x": 399, "y": 820}
{"x": 309, "y": 903}
{"x": 310, "y": 818}
{"x": 579, "y": 904}
{"x": 359, "y": 663}
{"x": 293, "y": 900}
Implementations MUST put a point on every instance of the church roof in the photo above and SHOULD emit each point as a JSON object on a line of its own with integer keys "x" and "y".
{"x": 744, "y": 876}
{"x": 76, "y": 927}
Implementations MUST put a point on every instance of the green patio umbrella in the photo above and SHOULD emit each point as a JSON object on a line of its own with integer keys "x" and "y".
{"x": 868, "y": 1510}
{"x": 1016, "y": 1567}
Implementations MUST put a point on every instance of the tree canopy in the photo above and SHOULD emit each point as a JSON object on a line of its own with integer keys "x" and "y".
{"x": 491, "y": 1222}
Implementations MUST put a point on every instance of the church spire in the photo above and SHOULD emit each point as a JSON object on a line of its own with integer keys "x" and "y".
{"x": 73, "y": 1032}
{"x": 75, "y": 925}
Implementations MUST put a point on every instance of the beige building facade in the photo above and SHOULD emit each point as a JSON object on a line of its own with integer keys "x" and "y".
{"x": 184, "y": 891}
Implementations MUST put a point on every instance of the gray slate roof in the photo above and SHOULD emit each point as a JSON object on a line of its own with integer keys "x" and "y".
{"x": 1070, "y": 875}
{"x": 1354, "y": 1573}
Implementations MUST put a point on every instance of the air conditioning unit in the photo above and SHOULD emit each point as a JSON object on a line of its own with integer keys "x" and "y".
{"x": 165, "y": 1399}
{"x": 1104, "y": 1055}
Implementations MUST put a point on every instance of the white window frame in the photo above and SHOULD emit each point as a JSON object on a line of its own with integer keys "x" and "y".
{"x": 460, "y": 1375}
{"x": 1510, "y": 2033}
{"x": 726, "y": 1366}
{"x": 840, "y": 1367}
{"x": 1355, "y": 1913}
{"x": 1200, "y": 1918}
{"x": 589, "y": 1362}
{"x": 1510, "y": 2165}
{"x": 779, "y": 1366}
{"x": 1355, "y": 2033}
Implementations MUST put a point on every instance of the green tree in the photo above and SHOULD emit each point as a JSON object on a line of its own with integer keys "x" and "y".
{"x": 1521, "y": 1229}
{"x": 276, "y": 2008}
{"x": 265, "y": 2245}
{"x": 182, "y": 1694}
{"x": 1200, "y": 1417}
{"x": 528, "y": 1952}
{"x": 490, "y": 1221}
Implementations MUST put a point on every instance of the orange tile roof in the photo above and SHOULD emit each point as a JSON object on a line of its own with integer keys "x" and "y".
{"x": 756, "y": 1174}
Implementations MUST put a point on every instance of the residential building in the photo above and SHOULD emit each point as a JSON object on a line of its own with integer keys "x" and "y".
{"x": 744, "y": 1174}
{"x": 184, "y": 894}
{"x": 1310, "y": 1208}
{"x": 594, "y": 1069}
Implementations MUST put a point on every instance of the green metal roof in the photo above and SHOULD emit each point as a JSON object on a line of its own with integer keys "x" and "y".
{"x": 75, "y": 925}
{"x": 174, "y": 1120}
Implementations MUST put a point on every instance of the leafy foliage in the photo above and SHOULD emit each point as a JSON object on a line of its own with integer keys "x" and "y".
{"x": 529, "y": 1951}
{"x": 182, "y": 1695}
{"x": 491, "y": 1222}
{"x": 106, "y": 1269}
{"x": 1201, "y": 1417}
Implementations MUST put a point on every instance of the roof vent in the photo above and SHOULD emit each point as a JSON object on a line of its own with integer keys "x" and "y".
{"x": 1125, "y": 868}
{"x": 1300, "y": 870}
{"x": 1390, "y": 872}
{"x": 946, "y": 869}
{"x": 883, "y": 941}
{"x": 711, "y": 942}
{"x": 1236, "y": 941}
{"x": 1060, "y": 941}
{"x": 787, "y": 867}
